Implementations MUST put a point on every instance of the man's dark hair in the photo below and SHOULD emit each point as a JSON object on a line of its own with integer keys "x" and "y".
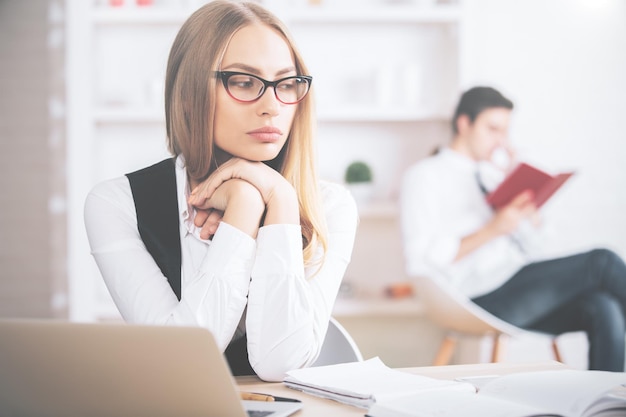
{"x": 477, "y": 99}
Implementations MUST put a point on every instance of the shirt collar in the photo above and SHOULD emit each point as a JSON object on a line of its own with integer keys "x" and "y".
{"x": 459, "y": 160}
{"x": 488, "y": 175}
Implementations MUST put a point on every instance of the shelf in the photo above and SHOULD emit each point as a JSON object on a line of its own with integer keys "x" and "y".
{"x": 152, "y": 115}
{"x": 378, "y": 210}
{"x": 377, "y": 307}
{"x": 129, "y": 115}
{"x": 370, "y": 114}
{"x": 375, "y": 14}
{"x": 304, "y": 14}
{"x": 141, "y": 15}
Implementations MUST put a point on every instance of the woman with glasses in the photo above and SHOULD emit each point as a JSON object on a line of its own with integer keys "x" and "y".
{"x": 234, "y": 233}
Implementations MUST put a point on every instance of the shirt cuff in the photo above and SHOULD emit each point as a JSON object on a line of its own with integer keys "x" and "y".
{"x": 230, "y": 254}
{"x": 279, "y": 250}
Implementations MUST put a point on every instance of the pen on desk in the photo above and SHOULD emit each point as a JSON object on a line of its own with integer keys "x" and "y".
{"x": 253, "y": 396}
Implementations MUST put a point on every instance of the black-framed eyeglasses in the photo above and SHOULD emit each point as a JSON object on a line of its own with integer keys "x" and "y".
{"x": 247, "y": 88}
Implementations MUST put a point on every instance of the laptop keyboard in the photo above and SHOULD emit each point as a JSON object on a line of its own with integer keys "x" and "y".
{"x": 258, "y": 413}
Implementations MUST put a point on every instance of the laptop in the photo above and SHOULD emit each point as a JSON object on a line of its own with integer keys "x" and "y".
{"x": 55, "y": 368}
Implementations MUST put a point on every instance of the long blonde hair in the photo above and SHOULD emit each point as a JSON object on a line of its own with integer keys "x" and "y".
{"x": 190, "y": 91}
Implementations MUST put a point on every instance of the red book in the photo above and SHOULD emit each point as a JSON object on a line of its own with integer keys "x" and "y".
{"x": 526, "y": 177}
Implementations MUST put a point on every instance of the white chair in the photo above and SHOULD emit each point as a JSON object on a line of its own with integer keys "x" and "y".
{"x": 458, "y": 315}
{"x": 338, "y": 346}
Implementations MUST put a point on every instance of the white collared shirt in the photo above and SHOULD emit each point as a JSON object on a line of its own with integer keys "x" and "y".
{"x": 441, "y": 204}
{"x": 287, "y": 307}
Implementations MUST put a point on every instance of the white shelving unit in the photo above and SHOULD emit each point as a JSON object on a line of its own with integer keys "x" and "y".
{"x": 386, "y": 75}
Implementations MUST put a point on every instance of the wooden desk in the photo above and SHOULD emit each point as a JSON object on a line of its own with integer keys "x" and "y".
{"x": 316, "y": 407}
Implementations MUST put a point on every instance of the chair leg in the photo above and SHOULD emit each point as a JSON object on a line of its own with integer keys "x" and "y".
{"x": 496, "y": 353}
{"x": 444, "y": 354}
{"x": 555, "y": 350}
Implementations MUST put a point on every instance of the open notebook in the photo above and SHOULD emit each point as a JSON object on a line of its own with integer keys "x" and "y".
{"x": 52, "y": 368}
{"x": 366, "y": 383}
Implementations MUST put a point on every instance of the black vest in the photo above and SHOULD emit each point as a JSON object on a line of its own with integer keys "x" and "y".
{"x": 156, "y": 204}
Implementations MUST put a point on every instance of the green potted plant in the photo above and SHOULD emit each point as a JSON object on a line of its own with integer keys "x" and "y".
{"x": 358, "y": 178}
{"x": 358, "y": 171}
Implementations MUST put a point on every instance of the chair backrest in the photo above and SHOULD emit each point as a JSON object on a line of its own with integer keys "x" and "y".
{"x": 338, "y": 347}
{"x": 452, "y": 310}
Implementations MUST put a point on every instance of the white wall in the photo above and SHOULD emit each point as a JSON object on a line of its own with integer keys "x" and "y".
{"x": 563, "y": 62}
